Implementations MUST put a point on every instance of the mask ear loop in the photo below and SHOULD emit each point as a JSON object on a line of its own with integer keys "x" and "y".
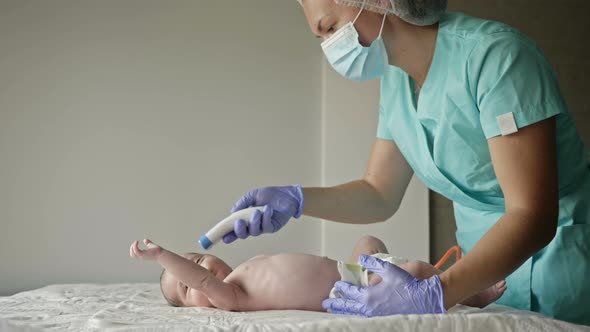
{"x": 360, "y": 11}
{"x": 382, "y": 25}
{"x": 382, "y": 22}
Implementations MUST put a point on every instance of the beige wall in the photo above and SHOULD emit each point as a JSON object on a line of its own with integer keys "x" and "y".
{"x": 561, "y": 29}
{"x": 124, "y": 119}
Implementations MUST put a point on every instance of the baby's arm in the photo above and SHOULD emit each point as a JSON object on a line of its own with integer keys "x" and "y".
{"x": 226, "y": 296}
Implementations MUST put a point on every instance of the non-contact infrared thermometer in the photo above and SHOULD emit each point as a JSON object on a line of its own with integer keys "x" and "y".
{"x": 225, "y": 226}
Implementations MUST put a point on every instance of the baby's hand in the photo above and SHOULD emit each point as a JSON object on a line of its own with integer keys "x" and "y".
{"x": 152, "y": 252}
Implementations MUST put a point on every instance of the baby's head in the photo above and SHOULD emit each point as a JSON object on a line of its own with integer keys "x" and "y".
{"x": 180, "y": 295}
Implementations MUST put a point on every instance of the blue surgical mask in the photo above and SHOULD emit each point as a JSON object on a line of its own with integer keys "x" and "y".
{"x": 352, "y": 60}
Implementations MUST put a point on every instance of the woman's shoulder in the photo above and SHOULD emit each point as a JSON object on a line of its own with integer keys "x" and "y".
{"x": 463, "y": 26}
{"x": 481, "y": 40}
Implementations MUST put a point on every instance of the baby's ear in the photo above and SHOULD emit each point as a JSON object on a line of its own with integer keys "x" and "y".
{"x": 191, "y": 255}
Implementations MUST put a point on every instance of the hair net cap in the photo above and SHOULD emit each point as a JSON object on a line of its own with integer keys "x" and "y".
{"x": 417, "y": 12}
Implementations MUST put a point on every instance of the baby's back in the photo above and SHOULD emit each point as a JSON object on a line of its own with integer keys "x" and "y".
{"x": 285, "y": 281}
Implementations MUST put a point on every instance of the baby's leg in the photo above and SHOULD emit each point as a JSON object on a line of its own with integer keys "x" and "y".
{"x": 367, "y": 245}
{"x": 424, "y": 270}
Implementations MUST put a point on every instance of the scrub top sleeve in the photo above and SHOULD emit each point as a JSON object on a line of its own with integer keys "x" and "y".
{"x": 507, "y": 73}
{"x": 383, "y": 130}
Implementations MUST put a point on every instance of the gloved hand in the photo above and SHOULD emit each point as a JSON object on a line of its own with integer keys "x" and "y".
{"x": 398, "y": 293}
{"x": 280, "y": 205}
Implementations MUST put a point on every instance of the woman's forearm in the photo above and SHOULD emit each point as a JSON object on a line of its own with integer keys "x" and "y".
{"x": 374, "y": 198}
{"x": 355, "y": 202}
{"x": 508, "y": 244}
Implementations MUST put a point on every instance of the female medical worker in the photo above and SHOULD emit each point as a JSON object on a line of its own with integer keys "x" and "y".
{"x": 473, "y": 108}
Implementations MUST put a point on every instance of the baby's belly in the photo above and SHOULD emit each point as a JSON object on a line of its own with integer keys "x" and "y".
{"x": 286, "y": 281}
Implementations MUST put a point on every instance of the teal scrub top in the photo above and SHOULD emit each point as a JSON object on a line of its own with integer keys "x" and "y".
{"x": 482, "y": 70}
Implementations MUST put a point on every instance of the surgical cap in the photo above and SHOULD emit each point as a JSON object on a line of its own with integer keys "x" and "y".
{"x": 417, "y": 12}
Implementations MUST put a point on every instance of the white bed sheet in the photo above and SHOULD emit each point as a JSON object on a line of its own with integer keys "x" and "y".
{"x": 141, "y": 308}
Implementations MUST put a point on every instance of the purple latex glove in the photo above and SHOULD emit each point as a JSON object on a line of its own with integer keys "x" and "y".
{"x": 398, "y": 293}
{"x": 280, "y": 205}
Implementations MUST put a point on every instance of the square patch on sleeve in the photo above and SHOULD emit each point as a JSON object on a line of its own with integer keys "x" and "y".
{"x": 507, "y": 124}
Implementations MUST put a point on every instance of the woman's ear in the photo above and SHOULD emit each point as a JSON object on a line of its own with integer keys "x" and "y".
{"x": 368, "y": 26}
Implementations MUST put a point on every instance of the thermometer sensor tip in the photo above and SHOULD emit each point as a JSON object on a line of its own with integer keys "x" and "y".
{"x": 205, "y": 242}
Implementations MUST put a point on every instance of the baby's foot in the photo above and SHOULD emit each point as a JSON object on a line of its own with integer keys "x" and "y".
{"x": 487, "y": 296}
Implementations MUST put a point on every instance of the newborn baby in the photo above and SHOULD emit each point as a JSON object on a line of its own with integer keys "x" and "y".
{"x": 273, "y": 282}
